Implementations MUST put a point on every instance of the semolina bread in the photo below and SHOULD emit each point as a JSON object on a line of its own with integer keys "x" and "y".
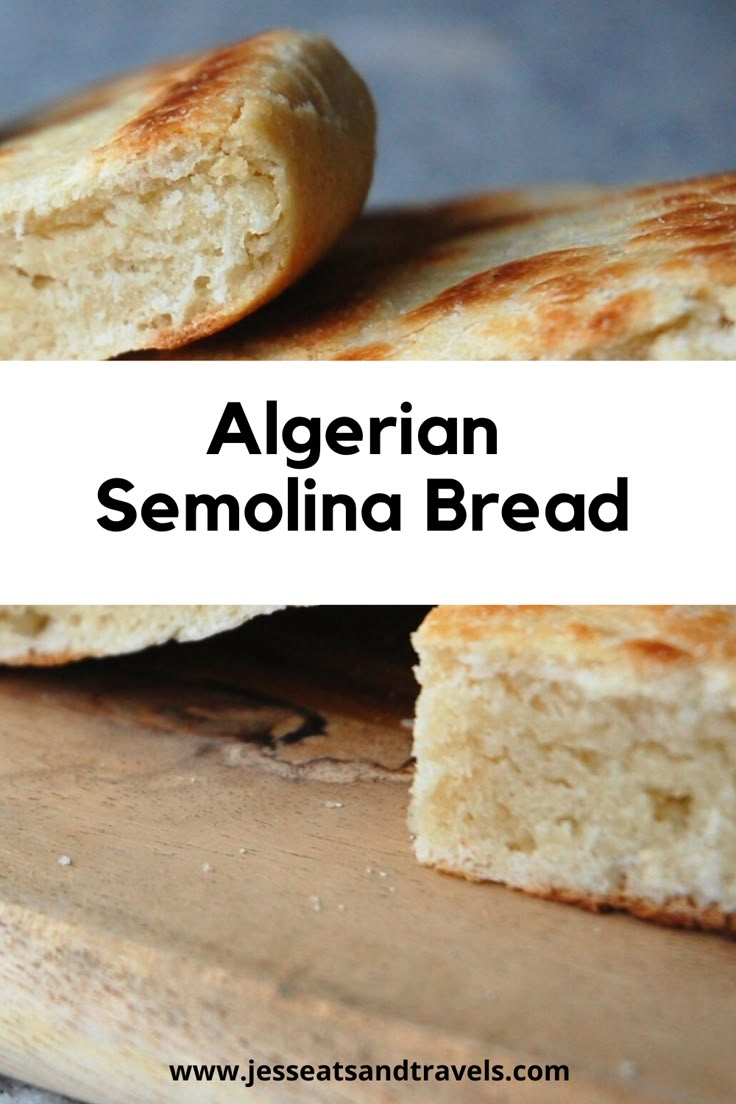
{"x": 582, "y": 753}
{"x": 166, "y": 204}
{"x": 535, "y": 274}
{"x": 46, "y": 635}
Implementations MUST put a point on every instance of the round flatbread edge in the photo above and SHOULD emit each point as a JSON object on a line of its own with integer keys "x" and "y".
{"x": 52, "y": 635}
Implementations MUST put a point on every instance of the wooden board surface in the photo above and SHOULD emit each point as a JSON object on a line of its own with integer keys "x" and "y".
{"x": 324, "y": 940}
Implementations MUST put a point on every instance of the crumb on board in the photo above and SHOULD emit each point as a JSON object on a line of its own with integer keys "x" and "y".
{"x": 64, "y": 860}
{"x": 242, "y": 851}
{"x": 316, "y": 903}
{"x": 208, "y": 868}
{"x": 407, "y": 722}
{"x": 333, "y": 805}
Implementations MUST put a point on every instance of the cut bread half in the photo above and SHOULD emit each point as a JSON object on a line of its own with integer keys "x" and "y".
{"x": 582, "y": 753}
{"x": 164, "y": 205}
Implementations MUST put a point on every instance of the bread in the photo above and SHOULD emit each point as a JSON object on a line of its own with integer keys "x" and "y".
{"x": 582, "y": 753}
{"x": 648, "y": 273}
{"x": 45, "y": 635}
{"x": 165, "y": 205}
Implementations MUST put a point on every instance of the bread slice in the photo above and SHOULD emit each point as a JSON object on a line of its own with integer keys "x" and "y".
{"x": 583, "y": 753}
{"x": 165, "y": 205}
{"x": 645, "y": 273}
{"x": 46, "y": 635}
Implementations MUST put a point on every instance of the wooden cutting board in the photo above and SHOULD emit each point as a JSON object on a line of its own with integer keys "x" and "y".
{"x": 242, "y": 886}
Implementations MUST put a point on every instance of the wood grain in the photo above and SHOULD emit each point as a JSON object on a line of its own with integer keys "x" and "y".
{"x": 324, "y": 941}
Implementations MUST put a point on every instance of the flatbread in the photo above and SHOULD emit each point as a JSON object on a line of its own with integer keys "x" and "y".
{"x": 47, "y": 635}
{"x": 582, "y": 753}
{"x": 647, "y": 273}
{"x": 164, "y": 205}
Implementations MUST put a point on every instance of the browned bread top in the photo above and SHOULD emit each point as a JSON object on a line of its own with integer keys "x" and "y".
{"x": 531, "y": 274}
{"x": 645, "y": 636}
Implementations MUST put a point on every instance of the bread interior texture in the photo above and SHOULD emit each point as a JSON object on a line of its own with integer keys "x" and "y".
{"x": 576, "y": 785}
{"x": 150, "y": 253}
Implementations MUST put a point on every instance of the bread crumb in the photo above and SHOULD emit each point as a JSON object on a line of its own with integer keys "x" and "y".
{"x": 242, "y": 851}
{"x": 627, "y": 1070}
{"x": 382, "y": 874}
{"x": 369, "y": 870}
{"x": 407, "y": 722}
{"x": 207, "y": 868}
{"x": 333, "y": 804}
{"x": 392, "y": 889}
{"x": 64, "y": 860}
{"x": 341, "y": 908}
{"x": 316, "y": 904}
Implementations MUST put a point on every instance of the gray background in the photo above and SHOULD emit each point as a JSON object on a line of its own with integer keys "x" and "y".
{"x": 471, "y": 93}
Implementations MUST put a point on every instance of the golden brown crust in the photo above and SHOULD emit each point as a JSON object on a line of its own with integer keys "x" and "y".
{"x": 675, "y": 912}
{"x": 643, "y": 635}
{"x": 515, "y": 275}
{"x": 189, "y": 94}
{"x": 176, "y": 97}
